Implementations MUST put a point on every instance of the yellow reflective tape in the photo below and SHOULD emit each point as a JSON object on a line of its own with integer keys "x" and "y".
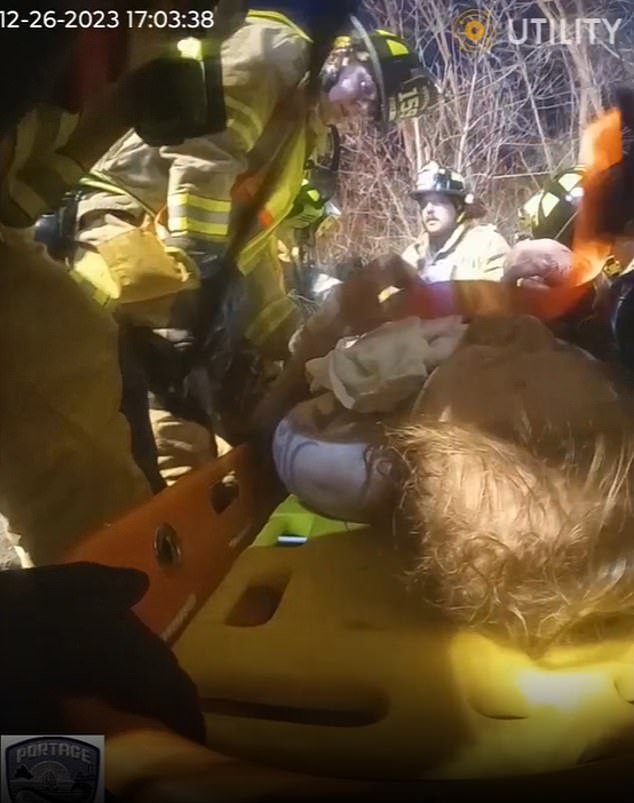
{"x": 270, "y": 318}
{"x": 246, "y": 111}
{"x": 191, "y": 48}
{"x": 199, "y": 202}
{"x": 243, "y": 133}
{"x": 275, "y": 16}
{"x": 548, "y": 203}
{"x": 341, "y": 42}
{"x": 99, "y": 181}
{"x": 187, "y": 225}
{"x": 387, "y": 293}
{"x": 313, "y": 195}
{"x": 96, "y": 184}
{"x": 569, "y": 181}
{"x": 100, "y": 297}
{"x": 528, "y": 213}
{"x": 244, "y": 121}
{"x": 397, "y": 48}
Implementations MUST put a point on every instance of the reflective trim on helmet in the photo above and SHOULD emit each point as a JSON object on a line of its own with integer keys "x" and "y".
{"x": 548, "y": 203}
{"x": 342, "y": 42}
{"x": 569, "y": 180}
{"x": 527, "y": 213}
{"x": 433, "y": 178}
{"x": 397, "y": 48}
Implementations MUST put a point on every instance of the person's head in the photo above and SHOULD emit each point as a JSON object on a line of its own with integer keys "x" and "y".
{"x": 443, "y": 198}
{"x": 440, "y": 213}
{"x": 520, "y": 495}
{"x": 374, "y": 75}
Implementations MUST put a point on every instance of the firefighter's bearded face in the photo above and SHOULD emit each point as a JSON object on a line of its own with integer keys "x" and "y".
{"x": 350, "y": 92}
{"x": 439, "y": 212}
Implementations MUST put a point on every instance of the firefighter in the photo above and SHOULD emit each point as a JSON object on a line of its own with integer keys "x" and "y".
{"x": 164, "y": 233}
{"x": 66, "y": 466}
{"x": 312, "y": 216}
{"x": 546, "y": 258}
{"x": 453, "y": 245}
{"x": 551, "y": 214}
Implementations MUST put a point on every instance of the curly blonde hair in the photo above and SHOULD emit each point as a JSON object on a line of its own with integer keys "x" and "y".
{"x": 521, "y": 526}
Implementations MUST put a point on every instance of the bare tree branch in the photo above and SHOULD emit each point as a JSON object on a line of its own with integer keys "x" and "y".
{"x": 512, "y": 115}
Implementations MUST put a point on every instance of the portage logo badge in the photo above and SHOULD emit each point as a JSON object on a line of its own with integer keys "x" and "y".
{"x": 52, "y": 769}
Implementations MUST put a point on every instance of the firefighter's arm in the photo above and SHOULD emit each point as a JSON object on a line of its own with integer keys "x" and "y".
{"x": 260, "y": 68}
{"x": 50, "y": 150}
{"x": 358, "y": 305}
{"x": 494, "y": 257}
{"x": 277, "y": 317}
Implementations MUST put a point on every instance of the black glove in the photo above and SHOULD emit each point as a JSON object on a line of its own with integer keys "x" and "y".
{"x": 69, "y": 632}
{"x": 223, "y": 307}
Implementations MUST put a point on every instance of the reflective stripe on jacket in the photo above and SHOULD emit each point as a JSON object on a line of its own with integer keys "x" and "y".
{"x": 46, "y": 154}
{"x": 205, "y": 184}
{"x": 204, "y": 181}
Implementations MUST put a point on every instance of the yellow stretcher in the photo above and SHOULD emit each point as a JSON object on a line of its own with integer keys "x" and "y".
{"x": 311, "y": 656}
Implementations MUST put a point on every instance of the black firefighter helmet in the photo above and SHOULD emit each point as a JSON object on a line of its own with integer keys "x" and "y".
{"x": 405, "y": 87}
{"x": 557, "y": 206}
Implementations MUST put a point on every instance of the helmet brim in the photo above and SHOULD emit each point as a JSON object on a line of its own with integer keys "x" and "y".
{"x": 472, "y": 210}
{"x": 418, "y": 194}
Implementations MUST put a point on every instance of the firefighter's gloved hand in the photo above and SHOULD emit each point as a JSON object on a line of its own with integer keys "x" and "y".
{"x": 208, "y": 256}
{"x": 539, "y": 263}
{"x": 223, "y": 305}
{"x": 73, "y": 634}
{"x": 356, "y": 306}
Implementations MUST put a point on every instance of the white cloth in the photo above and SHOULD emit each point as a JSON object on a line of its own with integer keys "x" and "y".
{"x": 377, "y": 371}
